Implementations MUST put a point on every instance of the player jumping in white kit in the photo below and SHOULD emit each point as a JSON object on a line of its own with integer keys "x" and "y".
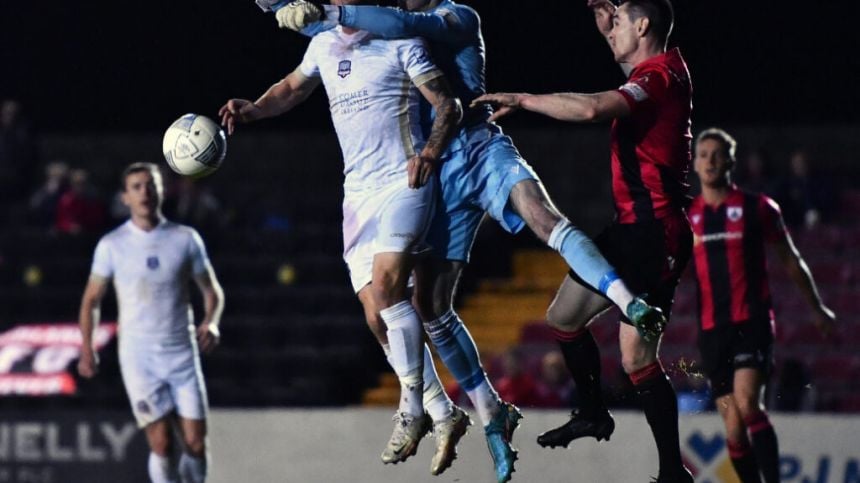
{"x": 151, "y": 262}
{"x": 373, "y": 86}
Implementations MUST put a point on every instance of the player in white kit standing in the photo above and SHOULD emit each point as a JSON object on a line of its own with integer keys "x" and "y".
{"x": 151, "y": 262}
{"x": 373, "y": 86}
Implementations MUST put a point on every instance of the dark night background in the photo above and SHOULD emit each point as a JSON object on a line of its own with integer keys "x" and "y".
{"x": 124, "y": 66}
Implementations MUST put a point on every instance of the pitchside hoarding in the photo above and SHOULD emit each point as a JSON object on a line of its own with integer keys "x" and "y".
{"x": 813, "y": 448}
{"x": 71, "y": 447}
{"x": 65, "y": 446}
{"x": 35, "y": 358}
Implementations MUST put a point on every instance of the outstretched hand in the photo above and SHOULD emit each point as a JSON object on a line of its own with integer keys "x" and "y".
{"x": 299, "y": 14}
{"x": 503, "y": 104}
{"x": 208, "y": 337}
{"x": 237, "y": 110}
{"x": 603, "y": 10}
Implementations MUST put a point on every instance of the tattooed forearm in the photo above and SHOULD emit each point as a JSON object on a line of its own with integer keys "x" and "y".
{"x": 449, "y": 111}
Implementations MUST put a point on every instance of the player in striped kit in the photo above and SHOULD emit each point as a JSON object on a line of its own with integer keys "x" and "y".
{"x": 649, "y": 241}
{"x": 732, "y": 230}
{"x": 151, "y": 262}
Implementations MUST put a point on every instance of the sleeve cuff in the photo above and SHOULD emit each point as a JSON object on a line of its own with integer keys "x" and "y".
{"x": 426, "y": 77}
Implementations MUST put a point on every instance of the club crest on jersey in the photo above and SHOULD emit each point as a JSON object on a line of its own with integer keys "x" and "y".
{"x": 696, "y": 219}
{"x": 344, "y": 68}
{"x": 152, "y": 262}
{"x": 735, "y": 213}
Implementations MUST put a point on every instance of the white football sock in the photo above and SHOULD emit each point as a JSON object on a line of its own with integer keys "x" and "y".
{"x": 160, "y": 469}
{"x": 618, "y": 293}
{"x": 436, "y": 400}
{"x": 486, "y": 401}
{"x": 406, "y": 341}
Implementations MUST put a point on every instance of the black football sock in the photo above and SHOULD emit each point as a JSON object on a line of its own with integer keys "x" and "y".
{"x": 743, "y": 459}
{"x": 764, "y": 445}
{"x": 657, "y": 397}
{"x": 582, "y": 357}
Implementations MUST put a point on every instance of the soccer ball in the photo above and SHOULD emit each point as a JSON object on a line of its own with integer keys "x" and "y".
{"x": 194, "y": 145}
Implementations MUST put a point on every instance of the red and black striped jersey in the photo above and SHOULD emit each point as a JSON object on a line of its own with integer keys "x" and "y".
{"x": 651, "y": 147}
{"x": 729, "y": 254}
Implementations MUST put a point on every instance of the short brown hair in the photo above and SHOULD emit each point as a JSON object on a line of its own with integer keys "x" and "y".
{"x": 659, "y": 13}
{"x": 721, "y": 136}
{"x": 139, "y": 167}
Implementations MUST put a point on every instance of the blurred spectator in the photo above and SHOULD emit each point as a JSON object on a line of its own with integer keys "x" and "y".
{"x": 189, "y": 202}
{"x": 117, "y": 210}
{"x": 793, "y": 391}
{"x": 807, "y": 197}
{"x": 80, "y": 210}
{"x": 754, "y": 173}
{"x": 44, "y": 201}
{"x": 17, "y": 154}
{"x": 555, "y": 388}
{"x": 516, "y": 386}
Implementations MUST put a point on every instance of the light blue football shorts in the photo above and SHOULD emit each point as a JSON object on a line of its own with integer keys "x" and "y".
{"x": 477, "y": 175}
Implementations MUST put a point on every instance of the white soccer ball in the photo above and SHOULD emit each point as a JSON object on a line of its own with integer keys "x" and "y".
{"x": 194, "y": 145}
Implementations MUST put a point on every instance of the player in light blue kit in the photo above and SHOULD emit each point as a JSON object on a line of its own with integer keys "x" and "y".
{"x": 481, "y": 172}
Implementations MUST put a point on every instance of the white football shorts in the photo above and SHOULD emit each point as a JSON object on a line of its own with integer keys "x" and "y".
{"x": 161, "y": 376}
{"x": 389, "y": 218}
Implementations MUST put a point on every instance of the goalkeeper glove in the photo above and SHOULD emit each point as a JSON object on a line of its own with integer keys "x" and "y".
{"x": 300, "y": 14}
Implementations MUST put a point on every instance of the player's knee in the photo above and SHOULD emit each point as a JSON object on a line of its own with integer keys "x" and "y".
{"x": 160, "y": 445}
{"x": 377, "y": 327}
{"x": 387, "y": 290}
{"x": 635, "y": 361}
{"x": 543, "y": 222}
{"x": 747, "y": 405}
{"x": 559, "y": 318}
{"x": 195, "y": 445}
{"x": 422, "y": 300}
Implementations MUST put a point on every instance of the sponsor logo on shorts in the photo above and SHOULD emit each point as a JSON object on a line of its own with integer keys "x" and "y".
{"x": 403, "y": 235}
{"x": 744, "y": 358}
{"x": 344, "y": 68}
{"x": 152, "y": 262}
{"x": 143, "y": 407}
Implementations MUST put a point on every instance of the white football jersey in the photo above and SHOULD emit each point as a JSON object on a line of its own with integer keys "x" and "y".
{"x": 373, "y": 98}
{"x": 151, "y": 272}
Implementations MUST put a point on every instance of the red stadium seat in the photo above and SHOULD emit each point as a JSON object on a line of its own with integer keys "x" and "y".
{"x": 537, "y": 331}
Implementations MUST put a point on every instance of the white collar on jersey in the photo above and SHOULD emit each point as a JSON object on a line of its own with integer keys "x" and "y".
{"x": 140, "y": 231}
{"x": 352, "y": 38}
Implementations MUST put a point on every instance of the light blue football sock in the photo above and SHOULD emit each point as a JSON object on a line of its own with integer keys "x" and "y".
{"x": 455, "y": 346}
{"x": 582, "y": 255}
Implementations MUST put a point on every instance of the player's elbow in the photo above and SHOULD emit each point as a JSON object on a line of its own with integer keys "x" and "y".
{"x": 458, "y": 110}
{"x": 591, "y": 114}
{"x": 451, "y": 109}
{"x": 91, "y": 302}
